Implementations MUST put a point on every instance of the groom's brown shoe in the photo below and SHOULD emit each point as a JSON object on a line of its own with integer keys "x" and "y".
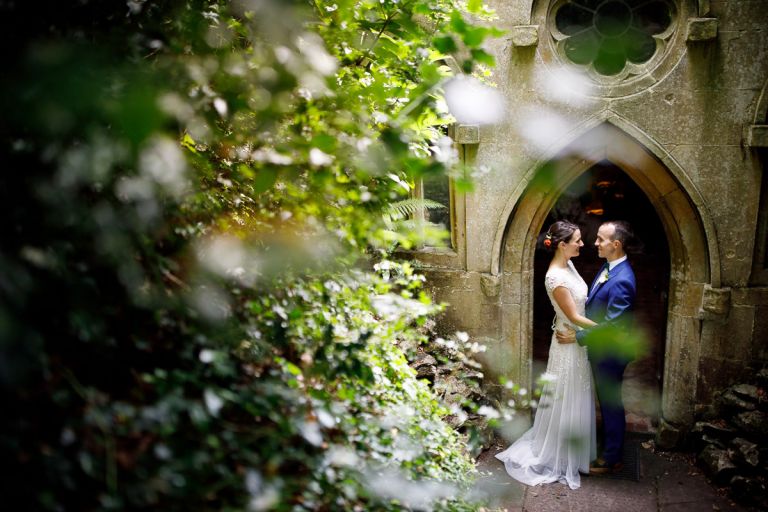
{"x": 601, "y": 467}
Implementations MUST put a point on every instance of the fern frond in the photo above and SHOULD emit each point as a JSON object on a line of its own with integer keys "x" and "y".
{"x": 407, "y": 207}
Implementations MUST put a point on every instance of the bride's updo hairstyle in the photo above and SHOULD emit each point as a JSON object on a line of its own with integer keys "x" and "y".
{"x": 560, "y": 231}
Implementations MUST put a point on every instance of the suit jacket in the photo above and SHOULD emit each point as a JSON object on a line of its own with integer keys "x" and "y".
{"x": 610, "y": 303}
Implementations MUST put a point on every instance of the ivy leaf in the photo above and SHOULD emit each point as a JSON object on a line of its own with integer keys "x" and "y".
{"x": 265, "y": 178}
{"x": 483, "y": 57}
{"x": 475, "y": 36}
{"x": 445, "y": 44}
{"x": 324, "y": 142}
{"x": 474, "y": 6}
{"x": 458, "y": 24}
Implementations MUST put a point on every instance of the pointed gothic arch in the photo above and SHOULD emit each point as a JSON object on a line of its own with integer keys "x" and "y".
{"x": 687, "y": 227}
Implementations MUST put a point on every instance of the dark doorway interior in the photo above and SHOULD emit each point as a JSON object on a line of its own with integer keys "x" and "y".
{"x": 602, "y": 193}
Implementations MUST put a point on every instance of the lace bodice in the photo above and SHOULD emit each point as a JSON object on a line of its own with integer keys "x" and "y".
{"x": 570, "y": 279}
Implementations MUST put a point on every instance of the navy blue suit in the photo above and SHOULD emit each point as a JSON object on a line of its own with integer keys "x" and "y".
{"x": 610, "y": 304}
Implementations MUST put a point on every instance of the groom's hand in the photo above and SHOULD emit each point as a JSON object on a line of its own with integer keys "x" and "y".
{"x": 566, "y": 337}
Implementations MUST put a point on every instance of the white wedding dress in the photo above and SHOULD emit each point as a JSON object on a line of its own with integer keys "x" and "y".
{"x": 562, "y": 440}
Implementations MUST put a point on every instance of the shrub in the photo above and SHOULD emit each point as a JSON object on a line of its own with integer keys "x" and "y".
{"x": 192, "y": 195}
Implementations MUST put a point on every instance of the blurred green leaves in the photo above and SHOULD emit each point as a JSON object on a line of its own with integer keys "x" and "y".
{"x": 193, "y": 191}
{"x": 620, "y": 341}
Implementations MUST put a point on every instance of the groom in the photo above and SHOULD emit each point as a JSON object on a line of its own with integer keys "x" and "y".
{"x": 610, "y": 303}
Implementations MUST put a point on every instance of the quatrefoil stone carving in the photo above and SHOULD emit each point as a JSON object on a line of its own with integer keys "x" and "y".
{"x": 612, "y": 38}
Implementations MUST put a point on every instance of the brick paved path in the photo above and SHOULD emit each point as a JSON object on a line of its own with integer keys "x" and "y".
{"x": 668, "y": 483}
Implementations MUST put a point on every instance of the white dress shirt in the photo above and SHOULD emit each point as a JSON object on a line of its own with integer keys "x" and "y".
{"x": 616, "y": 262}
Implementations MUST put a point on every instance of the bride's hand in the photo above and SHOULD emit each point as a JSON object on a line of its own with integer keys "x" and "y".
{"x": 566, "y": 337}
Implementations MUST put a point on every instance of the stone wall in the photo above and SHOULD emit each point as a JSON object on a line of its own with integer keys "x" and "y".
{"x": 729, "y": 439}
{"x": 690, "y": 112}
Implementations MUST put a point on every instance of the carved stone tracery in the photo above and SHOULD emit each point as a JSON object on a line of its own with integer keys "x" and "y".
{"x": 612, "y": 40}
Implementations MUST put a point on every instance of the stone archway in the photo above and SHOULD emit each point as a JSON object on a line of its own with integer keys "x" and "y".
{"x": 694, "y": 261}
{"x": 602, "y": 193}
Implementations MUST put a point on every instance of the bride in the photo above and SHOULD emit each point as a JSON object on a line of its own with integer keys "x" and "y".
{"x": 561, "y": 442}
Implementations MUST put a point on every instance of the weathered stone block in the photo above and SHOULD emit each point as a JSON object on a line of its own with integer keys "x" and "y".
{"x": 426, "y": 367}
{"x": 452, "y": 390}
{"x": 455, "y": 420}
{"x": 427, "y": 372}
{"x": 702, "y": 29}
{"x": 668, "y": 436}
{"x": 734, "y": 338}
{"x": 753, "y": 422}
{"x": 681, "y": 369}
{"x": 424, "y": 360}
{"x": 525, "y": 35}
{"x": 746, "y": 392}
{"x": 732, "y": 401}
{"x": 752, "y": 296}
{"x": 688, "y": 299}
{"x": 743, "y": 452}
{"x": 467, "y": 134}
{"x": 701, "y": 443}
{"x": 715, "y": 303}
{"x": 713, "y": 430}
{"x": 490, "y": 284}
{"x": 513, "y": 287}
{"x": 717, "y": 464}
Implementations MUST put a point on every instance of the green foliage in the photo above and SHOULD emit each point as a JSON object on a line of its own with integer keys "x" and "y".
{"x": 620, "y": 340}
{"x": 192, "y": 192}
{"x": 405, "y": 216}
{"x": 406, "y": 207}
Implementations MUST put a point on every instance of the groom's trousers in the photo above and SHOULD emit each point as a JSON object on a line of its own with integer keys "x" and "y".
{"x": 609, "y": 374}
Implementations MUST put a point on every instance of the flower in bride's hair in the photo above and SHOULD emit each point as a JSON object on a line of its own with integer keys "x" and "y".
{"x": 547, "y": 240}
